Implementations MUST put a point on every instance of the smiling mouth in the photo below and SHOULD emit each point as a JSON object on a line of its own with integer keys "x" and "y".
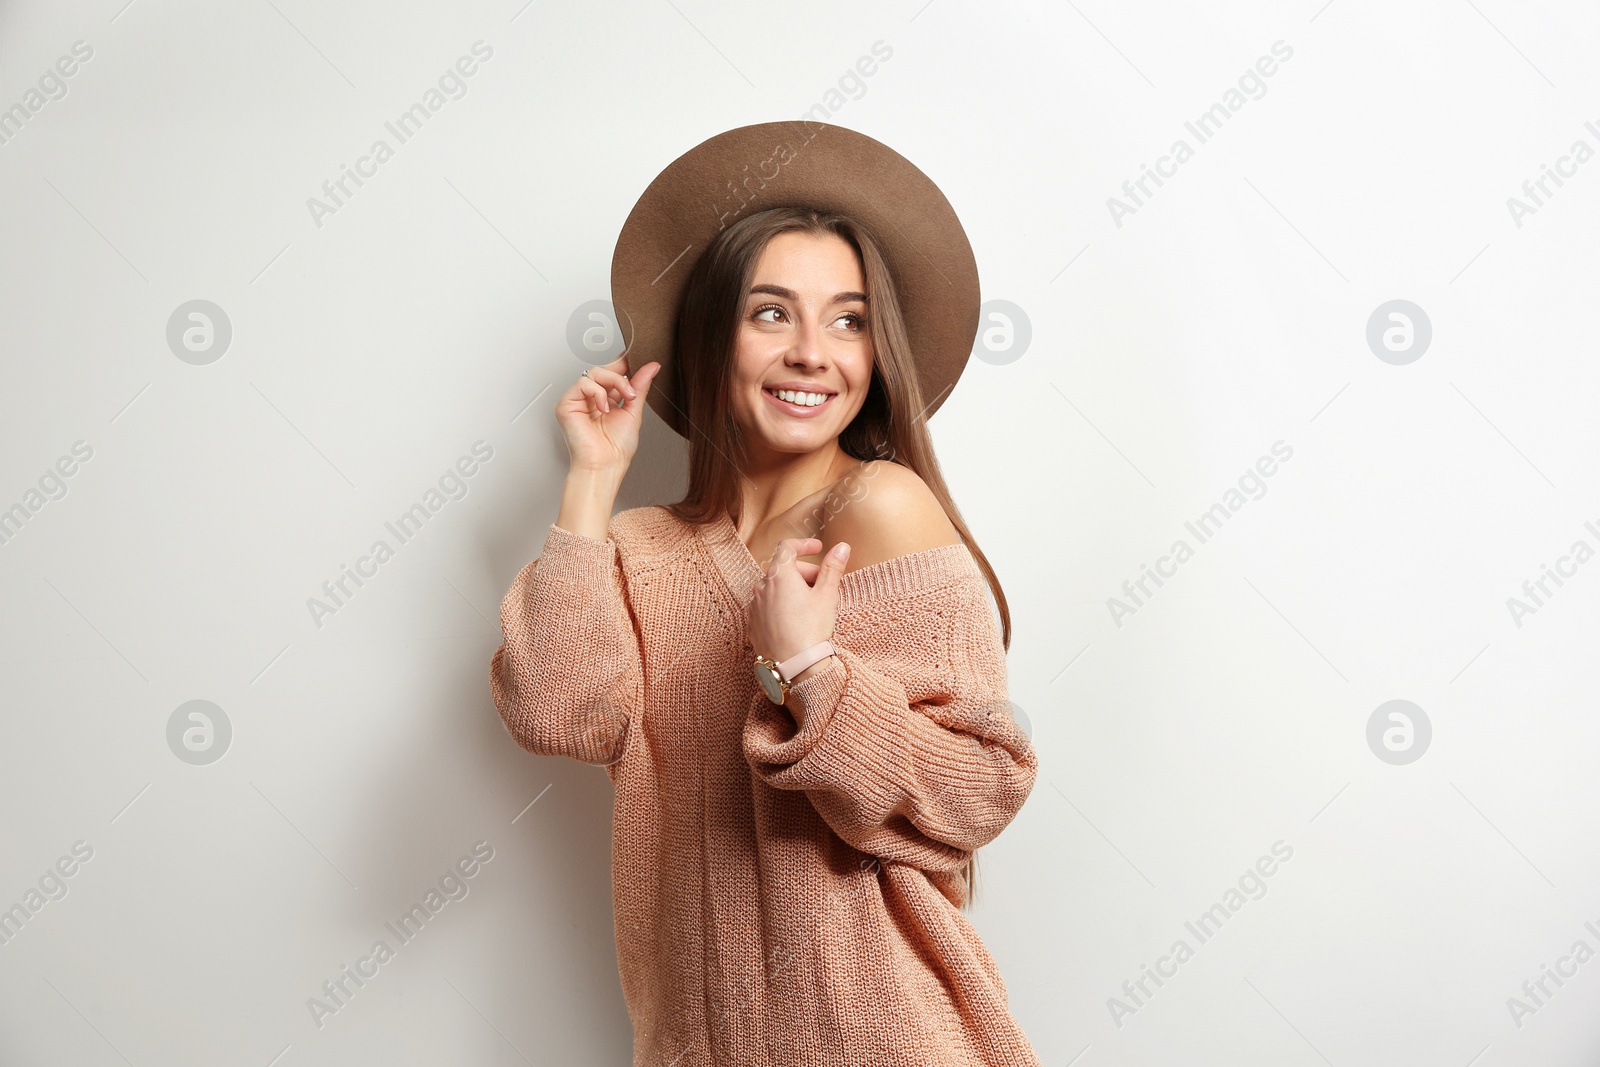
{"x": 800, "y": 398}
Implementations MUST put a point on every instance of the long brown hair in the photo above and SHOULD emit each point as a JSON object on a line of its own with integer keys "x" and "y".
{"x": 888, "y": 426}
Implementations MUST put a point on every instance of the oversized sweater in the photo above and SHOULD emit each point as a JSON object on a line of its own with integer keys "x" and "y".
{"x": 783, "y": 897}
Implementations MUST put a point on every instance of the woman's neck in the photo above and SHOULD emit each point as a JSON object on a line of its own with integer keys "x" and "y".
{"x": 780, "y": 481}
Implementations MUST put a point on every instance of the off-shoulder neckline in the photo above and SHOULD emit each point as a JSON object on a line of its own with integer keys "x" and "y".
{"x": 897, "y": 574}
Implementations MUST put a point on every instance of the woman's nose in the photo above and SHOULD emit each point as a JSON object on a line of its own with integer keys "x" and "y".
{"x": 808, "y": 343}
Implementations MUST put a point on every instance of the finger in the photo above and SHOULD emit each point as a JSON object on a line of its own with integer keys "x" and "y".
{"x": 790, "y": 548}
{"x": 639, "y": 389}
{"x": 611, "y": 380}
{"x": 644, "y": 377}
{"x": 614, "y": 396}
{"x": 781, "y": 557}
{"x": 808, "y": 571}
{"x": 832, "y": 568}
{"x": 595, "y": 394}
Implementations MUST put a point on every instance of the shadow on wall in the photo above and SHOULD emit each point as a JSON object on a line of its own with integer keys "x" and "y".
{"x": 660, "y": 470}
{"x": 554, "y": 962}
{"x": 533, "y": 945}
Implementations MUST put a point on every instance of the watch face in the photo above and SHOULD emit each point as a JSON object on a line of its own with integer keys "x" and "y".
{"x": 770, "y": 682}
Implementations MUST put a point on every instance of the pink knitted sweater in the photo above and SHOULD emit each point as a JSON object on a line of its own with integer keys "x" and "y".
{"x": 782, "y": 898}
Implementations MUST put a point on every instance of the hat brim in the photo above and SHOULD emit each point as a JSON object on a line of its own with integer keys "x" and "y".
{"x": 808, "y": 164}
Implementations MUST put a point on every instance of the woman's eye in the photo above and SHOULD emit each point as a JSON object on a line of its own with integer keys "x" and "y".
{"x": 856, "y": 322}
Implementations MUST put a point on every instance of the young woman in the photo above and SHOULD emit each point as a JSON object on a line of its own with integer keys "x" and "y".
{"x": 793, "y": 842}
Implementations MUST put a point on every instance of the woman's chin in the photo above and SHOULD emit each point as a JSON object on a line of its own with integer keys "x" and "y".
{"x": 794, "y": 440}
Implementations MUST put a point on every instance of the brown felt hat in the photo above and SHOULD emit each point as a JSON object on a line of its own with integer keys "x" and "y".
{"x": 807, "y": 164}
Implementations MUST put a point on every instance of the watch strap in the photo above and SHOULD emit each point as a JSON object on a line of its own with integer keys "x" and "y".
{"x": 803, "y": 659}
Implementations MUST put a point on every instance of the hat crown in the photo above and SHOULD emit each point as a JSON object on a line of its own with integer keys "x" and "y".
{"x": 808, "y": 164}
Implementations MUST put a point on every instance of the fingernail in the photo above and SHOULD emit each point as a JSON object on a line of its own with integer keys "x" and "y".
{"x": 842, "y": 549}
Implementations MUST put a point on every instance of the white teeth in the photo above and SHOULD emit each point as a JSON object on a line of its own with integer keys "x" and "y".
{"x": 808, "y": 400}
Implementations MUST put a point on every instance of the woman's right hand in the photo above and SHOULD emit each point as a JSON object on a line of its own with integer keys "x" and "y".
{"x": 602, "y": 431}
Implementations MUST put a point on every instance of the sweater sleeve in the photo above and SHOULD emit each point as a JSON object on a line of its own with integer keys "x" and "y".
{"x": 921, "y": 779}
{"x": 568, "y": 677}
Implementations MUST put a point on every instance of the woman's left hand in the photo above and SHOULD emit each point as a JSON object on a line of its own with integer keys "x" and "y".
{"x": 798, "y": 603}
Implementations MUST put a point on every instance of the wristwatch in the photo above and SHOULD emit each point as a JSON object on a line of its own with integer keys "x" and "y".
{"x": 775, "y": 677}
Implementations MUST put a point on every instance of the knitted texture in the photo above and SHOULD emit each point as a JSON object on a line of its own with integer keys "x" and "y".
{"x": 783, "y": 897}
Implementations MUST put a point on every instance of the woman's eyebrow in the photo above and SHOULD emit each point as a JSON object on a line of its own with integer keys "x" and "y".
{"x": 790, "y": 294}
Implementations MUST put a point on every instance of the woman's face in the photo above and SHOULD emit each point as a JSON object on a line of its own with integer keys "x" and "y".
{"x": 803, "y": 328}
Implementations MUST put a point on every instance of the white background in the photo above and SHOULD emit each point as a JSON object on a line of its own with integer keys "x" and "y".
{"x": 369, "y": 352}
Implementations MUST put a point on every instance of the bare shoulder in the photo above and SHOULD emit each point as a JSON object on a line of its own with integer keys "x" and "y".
{"x": 888, "y": 511}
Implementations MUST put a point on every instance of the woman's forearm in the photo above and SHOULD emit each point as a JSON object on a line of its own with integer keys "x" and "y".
{"x": 586, "y": 502}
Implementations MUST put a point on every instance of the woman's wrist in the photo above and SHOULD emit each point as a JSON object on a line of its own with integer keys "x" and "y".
{"x": 822, "y": 666}
{"x": 826, "y": 663}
